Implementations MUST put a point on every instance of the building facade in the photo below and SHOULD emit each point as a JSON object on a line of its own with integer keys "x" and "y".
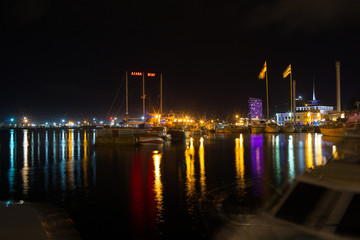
{"x": 308, "y": 113}
{"x": 255, "y": 109}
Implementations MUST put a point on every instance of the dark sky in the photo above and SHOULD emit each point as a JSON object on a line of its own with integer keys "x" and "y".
{"x": 68, "y": 58}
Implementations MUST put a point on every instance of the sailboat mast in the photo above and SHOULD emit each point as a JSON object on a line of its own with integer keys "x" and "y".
{"x": 143, "y": 96}
{"x": 161, "y": 110}
{"x": 127, "y": 97}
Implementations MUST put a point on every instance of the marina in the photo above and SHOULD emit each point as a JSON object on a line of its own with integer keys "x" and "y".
{"x": 171, "y": 191}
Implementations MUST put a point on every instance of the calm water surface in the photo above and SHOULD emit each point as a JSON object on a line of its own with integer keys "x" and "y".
{"x": 175, "y": 193}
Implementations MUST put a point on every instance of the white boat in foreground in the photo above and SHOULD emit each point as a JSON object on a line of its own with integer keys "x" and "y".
{"x": 321, "y": 204}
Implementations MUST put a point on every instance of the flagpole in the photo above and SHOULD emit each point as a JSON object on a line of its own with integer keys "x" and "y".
{"x": 267, "y": 95}
{"x": 291, "y": 95}
{"x": 294, "y": 100}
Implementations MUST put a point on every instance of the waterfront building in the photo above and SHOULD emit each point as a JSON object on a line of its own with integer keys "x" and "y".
{"x": 255, "y": 108}
{"x": 310, "y": 112}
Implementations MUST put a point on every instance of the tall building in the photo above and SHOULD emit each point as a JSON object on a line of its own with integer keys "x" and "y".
{"x": 255, "y": 108}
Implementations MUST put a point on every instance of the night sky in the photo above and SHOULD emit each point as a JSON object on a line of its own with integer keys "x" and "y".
{"x": 68, "y": 58}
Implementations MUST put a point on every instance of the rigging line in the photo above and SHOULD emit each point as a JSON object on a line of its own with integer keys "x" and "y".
{"x": 122, "y": 103}
{"x": 116, "y": 95}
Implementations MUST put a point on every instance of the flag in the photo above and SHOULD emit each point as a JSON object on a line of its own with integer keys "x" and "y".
{"x": 287, "y": 71}
{"x": 263, "y": 70}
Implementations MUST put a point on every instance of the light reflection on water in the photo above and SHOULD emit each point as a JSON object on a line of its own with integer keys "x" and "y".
{"x": 47, "y": 160}
{"x": 153, "y": 187}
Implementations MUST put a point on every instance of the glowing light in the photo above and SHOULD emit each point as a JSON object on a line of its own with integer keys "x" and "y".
{"x": 70, "y": 164}
{"x": 136, "y": 74}
{"x": 291, "y": 159}
{"x": 309, "y": 152}
{"x": 190, "y": 175}
{"x": 202, "y": 168}
{"x": 151, "y": 74}
{"x": 25, "y": 170}
{"x": 158, "y": 188}
{"x": 239, "y": 162}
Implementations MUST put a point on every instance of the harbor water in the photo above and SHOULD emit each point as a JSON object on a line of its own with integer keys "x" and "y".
{"x": 179, "y": 190}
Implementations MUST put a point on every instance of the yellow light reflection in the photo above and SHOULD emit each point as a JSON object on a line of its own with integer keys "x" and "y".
{"x": 25, "y": 170}
{"x": 158, "y": 188}
{"x": 85, "y": 160}
{"x": 70, "y": 166}
{"x": 190, "y": 174}
{"x": 239, "y": 162}
{"x": 202, "y": 168}
{"x": 318, "y": 150}
{"x": 335, "y": 152}
{"x": 309, "y": 151}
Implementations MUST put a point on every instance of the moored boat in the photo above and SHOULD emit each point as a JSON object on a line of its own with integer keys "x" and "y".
{"x": 223, "y": 130}
{"x": 149, "y": 139}
{"x": 288, "y": 128}
{"x": 177, "y": 132}
{"x": 333, "y": 130}
{"x": 259, "y": 128}
{"x": 160, "y": 131}
{"x": 272, "y": 128}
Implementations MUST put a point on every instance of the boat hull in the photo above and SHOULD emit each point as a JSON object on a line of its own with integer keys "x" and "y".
{"x": 150, "y": 140}
{"x": 333, "y": 132}
{"x": 257, "y": 130}
{"x": 271, "y": 129}
{"x": 289, "y": 130}
{"x": 178, "y": 134}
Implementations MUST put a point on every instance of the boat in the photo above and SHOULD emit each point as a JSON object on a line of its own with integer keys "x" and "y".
{"x": 223, "y": 130}
{"x": 150, "y": 139}
{"x": 288, "y": 128}
{"x": 258, "y": 128}
{"x": 323, "y": 203}
{"x": 333, "y": 130}
{"x": 272, "y": 128}
{"x": 178, "y": 132}
{"x": 236, "y": 129}
{"x": 160, "y": 131}
{"x": 310, "y": 129}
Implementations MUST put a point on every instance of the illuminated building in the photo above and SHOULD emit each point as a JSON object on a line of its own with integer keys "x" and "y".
{"x": 255, "y": 108}
{"x": 307, "y": 112}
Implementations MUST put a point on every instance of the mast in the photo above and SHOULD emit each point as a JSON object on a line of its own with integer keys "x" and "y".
{"x": 291, "y": 95}
{"x": 267, "y": 96}
{"x": 161, "y": 110}
{"x": 338, "y": 98}
{"x": 294, "y": 100}
{"x": 143, "y": 96}
{"x": 127, "y": 97}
